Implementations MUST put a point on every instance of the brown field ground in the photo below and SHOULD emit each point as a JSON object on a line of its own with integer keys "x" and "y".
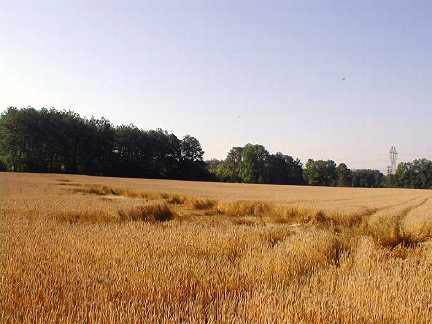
{"x": 82, "y": 249}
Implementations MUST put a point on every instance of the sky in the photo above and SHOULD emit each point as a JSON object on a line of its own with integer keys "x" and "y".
{"x": 340, "y": 80}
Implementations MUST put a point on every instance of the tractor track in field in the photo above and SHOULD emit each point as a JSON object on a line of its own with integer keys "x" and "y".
{"x": 407, "y": 210}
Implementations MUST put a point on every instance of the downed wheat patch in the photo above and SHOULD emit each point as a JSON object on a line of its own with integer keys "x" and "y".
{"x": 99, "y": 216}
{"x": 155, "y": 211}
{"x": 244, "y": 208}
{"x": 200, "y": 203}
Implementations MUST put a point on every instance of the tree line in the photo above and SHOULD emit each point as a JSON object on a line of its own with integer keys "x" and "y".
{"x": 254, "y": 164}
{"x": 415, "y": 174}
{"x": 60, "y": 141}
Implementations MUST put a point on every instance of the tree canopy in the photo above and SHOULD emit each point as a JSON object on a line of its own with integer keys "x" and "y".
{"x": 415, "y": 174}
{"x": 60, "y": 141}
{"x": 254, "y": 164}
{"x": 50, "y": 140}
{"x": 321, "y": 173}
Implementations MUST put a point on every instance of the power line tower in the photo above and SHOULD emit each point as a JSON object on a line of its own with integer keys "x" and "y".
{"x": 393, "y": 160}
{"x": 389, "y": 171}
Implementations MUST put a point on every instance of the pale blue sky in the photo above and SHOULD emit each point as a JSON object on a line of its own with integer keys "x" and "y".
{"x": 233, "y": 72}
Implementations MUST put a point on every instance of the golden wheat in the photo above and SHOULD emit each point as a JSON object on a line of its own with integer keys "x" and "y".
{"x": 170, "y": 251}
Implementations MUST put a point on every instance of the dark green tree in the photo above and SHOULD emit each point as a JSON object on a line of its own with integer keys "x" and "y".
{"x": 283, "y": 169}
{"x": 415, "y": 174}
{"x": 51, "y": 140}
{"x": 320, "y": 173}
{"x": 367, "y": 178}
{"x": 253, "y": 162}
{"x": 191, "y": 163}
{"x": 232, "y": 165}
{"x": 3, "y": 166}
{"x": 343, "y": 175}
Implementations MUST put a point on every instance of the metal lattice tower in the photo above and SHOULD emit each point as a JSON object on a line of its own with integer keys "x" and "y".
{"x": 393, "y": 159}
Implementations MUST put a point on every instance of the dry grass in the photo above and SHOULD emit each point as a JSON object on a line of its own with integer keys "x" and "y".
{"x": 310, "y": 255}
{"x": 170, "y": 198}
{"x": 201, "y": 203}
{"x": 417, "y": 224}
{"x": 91, "y": 216}
{"x": 104, "y": 190}
{"x": 157, "y": 211}
{"x": 244, "y": 208}
{"x": 153, "y": 212}
{"x": 173, "y": 198}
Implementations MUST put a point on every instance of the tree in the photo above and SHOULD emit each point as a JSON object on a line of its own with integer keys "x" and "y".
{"x": 191, "y": 163}
{"x": 253, "y": 161}
{"x": 367, "y": 178}
{"x": 331, "y": 173}
{"x": 213, "y": 164}
{"x": 232, "y": 165}
{"x": 343, "y": 175}
{"x": 191, "y": 149}
{"x": 415, "y": 174}
{"x": 3, "y": 166}
{"x": 10, "y": 141}
{"x": 253, "y": 164}
{"x": 283, "y": 169}
{"x": 320, "y": 173}
{"x": 51, "y": 140}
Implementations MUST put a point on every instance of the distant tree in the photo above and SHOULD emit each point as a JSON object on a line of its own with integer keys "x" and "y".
{"x": 311, "y": 173}
{"x": 277, "y": 171}
{"x": 331, "y": 173}
{"x": 415, "y": 174}
{"x": 253, "y": 162}
{"x": 191, "y": 149}
{"x": 389, "y": 181}
{"x": 10, "y": 137}
{"x": 283, "y": 169}
{"x": 166, "y": 154}
{"x": 296, "y": 171}
{"x": 133, "y": 152}
{"x": 51, "y": 140}
{"x": 3, "y": 166}
{"x": 192, "y": 164}
{"x": 320, "y": 173}
{"x": 343, "y": 175}
{"x": 367, "y": 178}
{"x": 233, "y": 164}
{"x": 214, "y": 167}
{"x": 95, "y": 146}
{"x": 213, "y": 164}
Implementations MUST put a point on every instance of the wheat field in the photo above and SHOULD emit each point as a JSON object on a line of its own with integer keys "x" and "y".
{"x": 81, "y": 249}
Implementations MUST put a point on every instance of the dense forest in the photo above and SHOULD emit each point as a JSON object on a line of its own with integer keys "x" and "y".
{"x": 49, "y": 140}
{"x": 59, "y": 141}
{"x": 253, "y": 164}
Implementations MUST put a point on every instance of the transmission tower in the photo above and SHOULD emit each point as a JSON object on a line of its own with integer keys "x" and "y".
{"x": 393, "y": 160}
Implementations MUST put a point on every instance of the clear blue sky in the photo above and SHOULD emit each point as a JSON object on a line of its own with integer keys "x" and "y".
{"x": 232, "y": 72}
